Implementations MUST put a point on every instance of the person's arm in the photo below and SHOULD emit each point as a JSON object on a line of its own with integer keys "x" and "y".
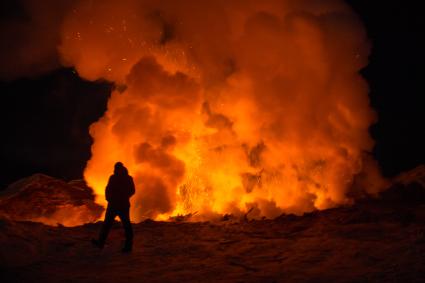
{"x": 108, "y": 190}
{"x": 132, "y": 188}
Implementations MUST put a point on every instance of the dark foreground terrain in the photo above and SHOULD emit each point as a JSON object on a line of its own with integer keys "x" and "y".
{"x": 375, "y": 240}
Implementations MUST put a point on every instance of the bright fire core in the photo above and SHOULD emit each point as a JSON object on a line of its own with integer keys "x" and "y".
{"x": 224, "y": 106}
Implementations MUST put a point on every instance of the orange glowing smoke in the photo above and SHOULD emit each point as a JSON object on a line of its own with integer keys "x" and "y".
{"x": 221, "y": 106}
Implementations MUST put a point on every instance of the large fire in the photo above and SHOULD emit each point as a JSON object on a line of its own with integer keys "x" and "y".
{"x": 224, "y": 106}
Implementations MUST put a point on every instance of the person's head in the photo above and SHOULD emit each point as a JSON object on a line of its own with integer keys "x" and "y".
{"x": 119, "y": 169}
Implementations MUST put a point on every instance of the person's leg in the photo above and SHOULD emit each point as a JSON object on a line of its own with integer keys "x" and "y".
{"x": 106, "y": 227}
{"x": 124, "y": 215}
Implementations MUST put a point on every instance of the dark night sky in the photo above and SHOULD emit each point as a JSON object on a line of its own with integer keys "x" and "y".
{"x": 45, "y": 120}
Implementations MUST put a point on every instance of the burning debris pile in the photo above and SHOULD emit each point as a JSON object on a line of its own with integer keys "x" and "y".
{"x": 41, "y": 198}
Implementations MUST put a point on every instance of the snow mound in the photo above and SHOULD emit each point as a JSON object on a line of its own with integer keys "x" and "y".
{"x": 42, "y": 198}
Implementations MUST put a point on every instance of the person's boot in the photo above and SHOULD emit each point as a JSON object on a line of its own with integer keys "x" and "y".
{"x": 128, "y": 246}
{"x": 97, "y": 243}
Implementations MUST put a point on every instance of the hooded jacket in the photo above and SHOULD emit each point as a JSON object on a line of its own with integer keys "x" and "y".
{"x": 120, "y": 188}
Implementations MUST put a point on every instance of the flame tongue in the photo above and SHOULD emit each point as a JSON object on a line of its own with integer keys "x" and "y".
{"x": 228, "y": 106}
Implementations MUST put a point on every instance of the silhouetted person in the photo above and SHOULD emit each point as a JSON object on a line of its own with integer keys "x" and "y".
{"x": 118, "y": 192}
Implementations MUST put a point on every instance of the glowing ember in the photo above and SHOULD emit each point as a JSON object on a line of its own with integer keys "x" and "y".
{"x": 222, "y": 106}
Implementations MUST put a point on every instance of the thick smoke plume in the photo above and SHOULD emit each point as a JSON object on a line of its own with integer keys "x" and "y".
{"x": 221, "y": 106}
{"x": 30, "y": 32}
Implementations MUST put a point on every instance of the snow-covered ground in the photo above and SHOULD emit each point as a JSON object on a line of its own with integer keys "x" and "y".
{"x": 379, "y": 240}
{"x": 376, "y": 240}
